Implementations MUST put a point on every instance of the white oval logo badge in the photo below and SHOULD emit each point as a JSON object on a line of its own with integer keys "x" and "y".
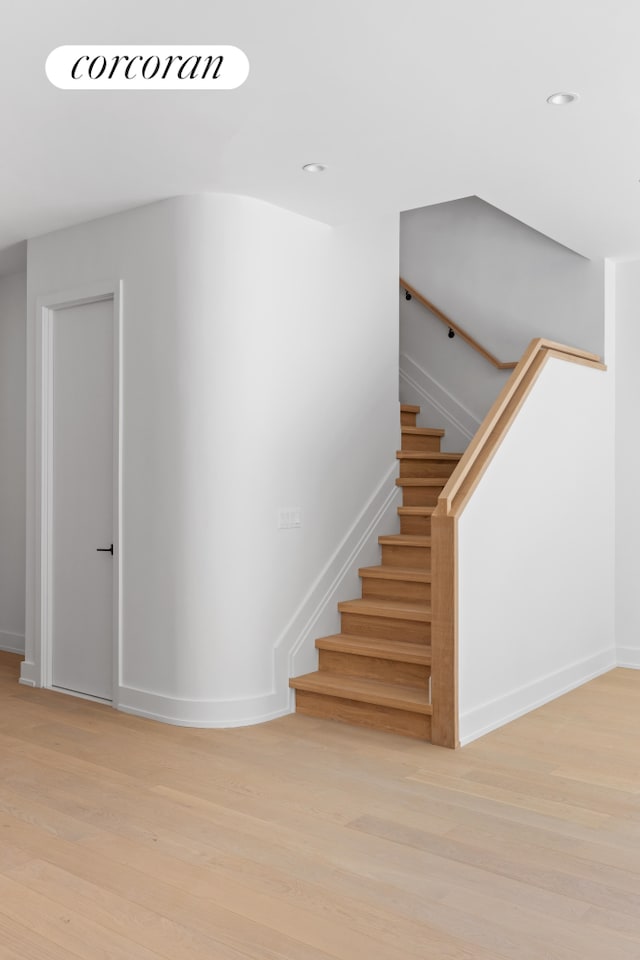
{"x": 96, "y": 67}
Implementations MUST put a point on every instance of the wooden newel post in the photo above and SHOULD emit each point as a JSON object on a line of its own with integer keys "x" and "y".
{"x": 444, "y": 628}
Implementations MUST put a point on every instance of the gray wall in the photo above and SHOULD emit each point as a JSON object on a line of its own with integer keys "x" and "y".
{"x": 499, "y": 279}
{"x": 627, "y": 356}
{"x": 12, "y": 460}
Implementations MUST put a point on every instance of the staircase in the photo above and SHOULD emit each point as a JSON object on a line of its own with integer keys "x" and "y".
{"x": 376, "y": 672}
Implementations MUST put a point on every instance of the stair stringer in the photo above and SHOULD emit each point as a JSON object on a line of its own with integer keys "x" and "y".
{"x": 437, "y": 404}
{"x": 317, "y": 612}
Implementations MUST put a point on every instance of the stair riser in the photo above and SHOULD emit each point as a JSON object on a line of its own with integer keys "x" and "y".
{"x": 372, "y": 661}
{"x": 427, "y": 468}
{"x": 397, "y": 555}
{"x": 364, "y": 714}
{"x": 374, "y": 668}
{"x": 418, "y": 526}
{"x": 383, "y": 589}
{"x": 421, "y": 496}
{"x": 414, "y": 442}
{"x": 386, "y": 628}
{"x": 407, "y": 419}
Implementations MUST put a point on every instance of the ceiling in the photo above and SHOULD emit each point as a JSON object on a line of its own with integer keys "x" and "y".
{"x": 408, "y": 103}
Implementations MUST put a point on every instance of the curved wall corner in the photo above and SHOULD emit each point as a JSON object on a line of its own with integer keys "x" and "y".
{"x": 259, "y": 348}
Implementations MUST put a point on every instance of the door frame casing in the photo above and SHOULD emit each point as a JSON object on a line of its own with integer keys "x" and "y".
{"x": 45, "y": 309}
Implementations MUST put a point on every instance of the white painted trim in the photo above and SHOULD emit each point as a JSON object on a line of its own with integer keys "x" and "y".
{"x": 629, "y": 657}
{"x": 38, "y": 671}
{"x": 46, "y": 491}
{"x": 81, "y": 696}
{"x": 209, "y": 714}
{"x": 11, "y": 642}
{"x": 495, "y": 713}
{"x": 118, "y": 433}
{"x": 328, "y": 588}
{"x": 434, "y": 394}
{"x": 29, "y": 674}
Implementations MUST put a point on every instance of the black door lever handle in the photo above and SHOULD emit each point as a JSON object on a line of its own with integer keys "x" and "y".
{"x": 105, "y": 550}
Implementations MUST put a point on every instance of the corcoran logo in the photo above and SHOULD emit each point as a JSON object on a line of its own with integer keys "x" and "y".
{"x": 147, "y": 67}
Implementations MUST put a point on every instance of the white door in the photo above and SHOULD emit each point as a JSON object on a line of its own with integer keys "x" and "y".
{"x": 82, "y": 499}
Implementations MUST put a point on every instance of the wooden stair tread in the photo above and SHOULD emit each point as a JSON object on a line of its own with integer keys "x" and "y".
{"x": 422, "y": 431}
{"x": 410, "y": 699}
{"x": 372, "y": 647}
{"x": 408, "y": 539}
{"x": 421, "y": 481}
{"x": 382, "y": 572}
{"x": 426, "y": 455}
{"x": 393, "y": 609}
{"x": 376, "y": 672}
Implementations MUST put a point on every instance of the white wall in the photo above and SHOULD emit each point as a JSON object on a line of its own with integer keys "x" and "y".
{"x": 536, "y": 553}
{"x": 627, "y": 462}
{"x": 504, "y": 283}
{"x": 12, "y": 460}
{"x": 259, "y": 370}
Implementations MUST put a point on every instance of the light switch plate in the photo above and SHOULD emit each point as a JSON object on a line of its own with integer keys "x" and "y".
{"x": 289, "y": 518}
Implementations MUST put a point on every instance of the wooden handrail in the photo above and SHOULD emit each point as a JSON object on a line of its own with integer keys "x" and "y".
{"x": 495, "y": 425}
{"x": 457, "y": 329}
{"x": 444, "y": 527}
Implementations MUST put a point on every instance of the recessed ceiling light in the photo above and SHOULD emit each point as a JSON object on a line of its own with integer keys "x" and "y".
{"x": 314, "y": 168}
{"x": 561, "y": 99}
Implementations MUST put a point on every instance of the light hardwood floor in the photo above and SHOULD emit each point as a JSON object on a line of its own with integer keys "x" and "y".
{"x": 122, "y": 839}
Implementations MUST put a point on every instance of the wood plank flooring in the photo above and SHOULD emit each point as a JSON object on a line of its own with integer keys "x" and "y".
{"x": 302, "y": 839}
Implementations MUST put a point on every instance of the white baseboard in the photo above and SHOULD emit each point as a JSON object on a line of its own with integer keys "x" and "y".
{"x": 11, "y": 642}
{"x": 449, "y": 410}
{"x": 629, "y": 657}
{"x": 209, "y": 714}
{"x": 29, "y": 675}
{"x": 495, "y": 713}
